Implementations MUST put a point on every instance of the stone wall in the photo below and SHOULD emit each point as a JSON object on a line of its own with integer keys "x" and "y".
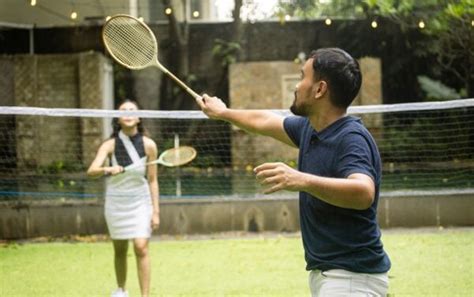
{"x": 7, "y": 93}
{"x": 60, "y": 81}
{"x": 95, "y": 92}
{"x": 259, "y": 85}
{"x": 83, "y": 80}
{"x": 270, "y": 85}
{"x": 371, "y": 93}
{"x": 207, "y": 216}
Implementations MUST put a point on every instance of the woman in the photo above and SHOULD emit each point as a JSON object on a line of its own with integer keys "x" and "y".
{"x": 131, "y": 199}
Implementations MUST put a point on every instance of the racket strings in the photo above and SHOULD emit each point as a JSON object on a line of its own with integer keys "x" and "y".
{"x": 179, "y": 156}
{"x": 131, "y": 45}
{"x": 129, "y": 42}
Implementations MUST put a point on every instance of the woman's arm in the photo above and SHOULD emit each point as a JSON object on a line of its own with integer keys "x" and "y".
{"x": 152, "y": 176}
{"x": 97, "y": 168}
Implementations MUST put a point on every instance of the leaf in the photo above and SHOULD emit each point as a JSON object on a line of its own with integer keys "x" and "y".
{"x": 436, "y": 90}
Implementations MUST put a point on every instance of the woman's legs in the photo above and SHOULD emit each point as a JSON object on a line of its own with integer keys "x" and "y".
{"x": 140, "y": 246}
{"x": 120, "y": 261}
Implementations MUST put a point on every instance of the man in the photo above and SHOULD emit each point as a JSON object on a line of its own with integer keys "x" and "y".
{"x": 338, "y": 176}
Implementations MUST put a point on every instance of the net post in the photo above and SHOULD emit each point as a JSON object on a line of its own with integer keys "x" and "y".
{"x": 178, "y": 177}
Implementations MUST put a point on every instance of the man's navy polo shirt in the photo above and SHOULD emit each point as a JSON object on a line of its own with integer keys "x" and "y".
{"x": 336, "y": 237}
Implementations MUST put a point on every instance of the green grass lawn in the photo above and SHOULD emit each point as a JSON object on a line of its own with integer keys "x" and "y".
{"x": 426, "y": 262}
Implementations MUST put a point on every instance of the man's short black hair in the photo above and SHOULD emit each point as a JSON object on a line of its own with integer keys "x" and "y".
{"x": 340, "y": 71}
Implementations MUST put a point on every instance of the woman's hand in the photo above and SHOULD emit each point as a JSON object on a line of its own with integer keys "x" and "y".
{"x": 114, "y": 170}
{"x": 155, "y": 221}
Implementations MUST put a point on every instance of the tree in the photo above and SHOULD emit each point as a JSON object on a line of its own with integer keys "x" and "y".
{"x": 448, "y": 28}
{"x": 226, "y": 51}
{"x": 179, "y": 35}
{"x": 310, "y": 9}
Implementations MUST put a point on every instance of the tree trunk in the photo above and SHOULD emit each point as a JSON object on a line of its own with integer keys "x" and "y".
{"x": 179, "y": 34}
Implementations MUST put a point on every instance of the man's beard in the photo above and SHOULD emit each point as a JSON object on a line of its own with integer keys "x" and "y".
{"x": 298, "y": 110}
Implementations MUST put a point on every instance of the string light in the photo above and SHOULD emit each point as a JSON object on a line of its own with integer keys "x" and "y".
{"x": 73, "y": 15}
{"x": 421, "y": 24}
{"x": 196, "y": 14}
{"x": 374, "y": 24}
{"x": 328, "y": 22}
{"x": 33, "y": 3}
{"x": 168, "y": 11}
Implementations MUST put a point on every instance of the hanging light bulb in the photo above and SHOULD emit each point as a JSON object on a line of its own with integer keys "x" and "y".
{"x": 421, "y": 24}
{"x": 168, "y": 11}
{"x": 33, "y": 3}
{"x": 328, "y": 22}
{"x": 374, "y": 24}
{"x": 196, "y": 14}
{"x": 73, "y": 15}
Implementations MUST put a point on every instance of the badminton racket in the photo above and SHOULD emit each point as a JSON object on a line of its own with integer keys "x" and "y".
{"x": 132, "y": 44}
{"x": 170, "y": 158}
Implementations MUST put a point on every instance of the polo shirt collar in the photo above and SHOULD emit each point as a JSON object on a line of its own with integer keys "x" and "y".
{"x": 329, "y": 130}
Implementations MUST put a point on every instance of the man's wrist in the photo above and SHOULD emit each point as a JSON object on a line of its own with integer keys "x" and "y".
{"x": 303, "y": 182}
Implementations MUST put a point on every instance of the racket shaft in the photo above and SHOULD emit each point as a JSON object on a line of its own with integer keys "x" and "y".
{"x": 154, "y": 162}
{"x": 178, "y": 81}
{"x": 142, "y": 165}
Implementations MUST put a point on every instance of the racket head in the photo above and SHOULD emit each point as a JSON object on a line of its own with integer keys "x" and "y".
{"x": 177, "y": 156}
{"x": 130, "y": 41}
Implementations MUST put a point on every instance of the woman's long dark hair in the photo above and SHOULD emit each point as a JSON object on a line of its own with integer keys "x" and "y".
{"x": 115, "y": 121}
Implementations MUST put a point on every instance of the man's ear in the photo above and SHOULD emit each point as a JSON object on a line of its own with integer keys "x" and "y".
{"x": 321, "y": 89}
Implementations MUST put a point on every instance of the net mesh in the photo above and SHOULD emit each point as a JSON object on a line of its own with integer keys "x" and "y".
{"x": 129, "y": 41}
{"x": 44, "y": 153}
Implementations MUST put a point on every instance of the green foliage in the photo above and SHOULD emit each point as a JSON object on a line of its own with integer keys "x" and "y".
{"x": 408, "y": 13}
{"x": 309, "y": 9}
{"x": 436, "y": 90}
{"x": 225, "y": 51}
{"x": 301, "y": 8}
{"x": 60, "y": 166}
{"x": 429, "y": 131}
{"x": 448, "y": 28}
{"x": 461, "y": 8}
{"x": 445, "y": 26}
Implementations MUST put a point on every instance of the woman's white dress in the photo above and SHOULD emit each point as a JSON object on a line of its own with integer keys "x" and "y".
{"x": 128, "y": 207}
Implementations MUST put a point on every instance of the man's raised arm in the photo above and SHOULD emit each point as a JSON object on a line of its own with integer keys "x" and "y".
{"x": 254, "y": 121}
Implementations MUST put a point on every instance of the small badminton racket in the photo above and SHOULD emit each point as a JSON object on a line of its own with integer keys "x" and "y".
{"x": 170, "y": 158}
{"x": 132, "y": 44}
